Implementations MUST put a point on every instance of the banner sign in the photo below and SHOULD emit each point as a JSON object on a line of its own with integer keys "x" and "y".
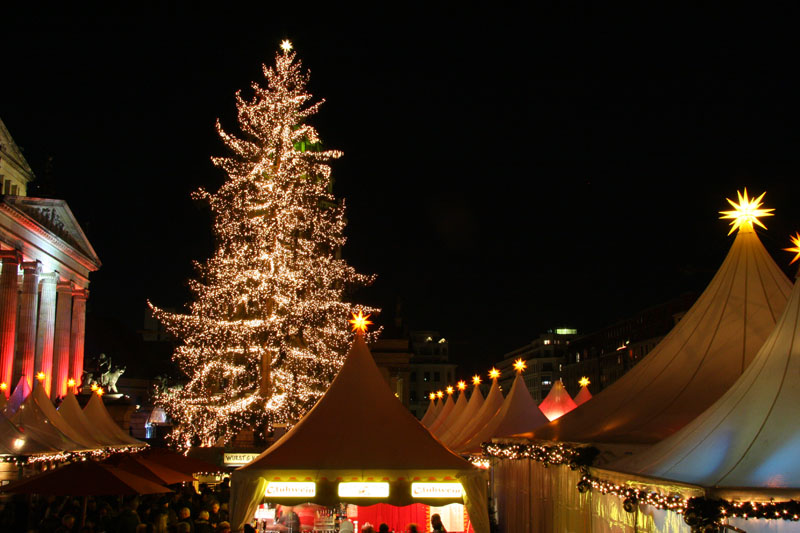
{"x": 436, "y": 490}
{"x": 364, "y": 490}
{"x": 291, "y": 489}
{"x": 230, "y": 459}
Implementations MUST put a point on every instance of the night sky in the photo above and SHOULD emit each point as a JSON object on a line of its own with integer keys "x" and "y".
{"x": 505, "y": 172}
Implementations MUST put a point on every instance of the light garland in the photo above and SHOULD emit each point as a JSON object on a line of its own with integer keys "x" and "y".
{"x": 557, "y": 454}
{"x": 61, "y": 457}
{"x": 267, "y": 330}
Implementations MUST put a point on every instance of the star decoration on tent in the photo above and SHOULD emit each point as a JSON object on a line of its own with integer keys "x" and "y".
{"x": 494, "y": 373}
{"x": 796, "y": 248}
{"x": 439, "y": 394}
{"x": 449, "y": 390}
{"x": 70, "y": 382}
{"x": 461, "y": 385}
{"x": 3, "y": 386}
{"x": 584, "y": 381}
{"x": 519, "y": 365}
{"x": 476, "y": 379}
{"x": 40, "y": 376}
{"x": 360, "y": 322}
{"x": 747, "y": 212}
{"x": 286, "y": 45}
{"x": 432, "y": 396}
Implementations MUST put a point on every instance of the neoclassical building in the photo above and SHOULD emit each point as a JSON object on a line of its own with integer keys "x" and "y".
{"x": 44, "y": 280}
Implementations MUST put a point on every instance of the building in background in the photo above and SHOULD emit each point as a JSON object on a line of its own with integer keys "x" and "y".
{"x": 544, "y": 358}
{"x": 44, "y": 281}
{"x": 606, "y": 354}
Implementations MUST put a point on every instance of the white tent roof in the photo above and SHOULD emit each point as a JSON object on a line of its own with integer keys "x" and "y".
{"x": 750, "y": 437}
{"x": 71, "y": 412}
{"x": 518, "y": 414}
{"x": 429, "y": 414}
{"x": 34, "y": 422}
{"x": 14, "y": 442}
{"x": 694, "y": 364}
{"x": 459, "y": 407}
{"x": 21, "y": 391}
{"x": 75, "y": 434}
{"x": 489, "y": 408}
{"x": 97, "y": 415}
{"x": 449, "y": 404}
{"x": 558, "y": 402}
{"x": 473, "y": 406}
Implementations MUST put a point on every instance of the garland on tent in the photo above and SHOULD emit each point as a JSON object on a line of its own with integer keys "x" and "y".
{"x": 701, "y": 513}
{"x": 60, "y": 457}
{"x": 559, "y": 454}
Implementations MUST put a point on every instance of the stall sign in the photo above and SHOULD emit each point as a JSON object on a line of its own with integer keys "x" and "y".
{"x": 291, "y": 489}
{"x": 231, "y": 459}
{"x": 436, "y": 490}
{"x": 364, "y": 490}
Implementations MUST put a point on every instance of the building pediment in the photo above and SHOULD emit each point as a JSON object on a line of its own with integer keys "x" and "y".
{"x": 11, "y": 152}
{"x": 54, "y": 218}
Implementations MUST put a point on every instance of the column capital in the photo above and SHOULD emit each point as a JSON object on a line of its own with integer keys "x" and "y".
{"x": 11, "y": 256}
{"x": 64, "y": 286}
{"x": 80, "y": 294}
{"x": 50, "y": 277}
{"x": 35, "y": 266}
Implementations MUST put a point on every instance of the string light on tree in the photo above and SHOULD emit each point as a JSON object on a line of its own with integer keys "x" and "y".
{"x": 267, "y": 329}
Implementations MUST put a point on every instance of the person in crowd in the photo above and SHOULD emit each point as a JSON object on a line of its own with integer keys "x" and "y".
{"x": 436, "y": 524}
{"x": 67, "y": 524}
{"x": 183, "y": 527}
{"x": 213, "y": 513}
{"x": 346, "y": 526}
{"x": 383, "y": 528}
{"x": 128, "y": 519}
{"x": 367, "y": 528}
{"x": 201, "y": 524}
{"x": 185, "y": 517}
{"x": 413, "y": 528}
{"x": 223, "y": 527}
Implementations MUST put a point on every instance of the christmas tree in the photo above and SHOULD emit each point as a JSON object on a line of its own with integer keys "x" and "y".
{"x": 267, "y": 330}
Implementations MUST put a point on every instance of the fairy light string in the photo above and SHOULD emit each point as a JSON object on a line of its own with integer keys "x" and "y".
{"x": 267, "y": 329}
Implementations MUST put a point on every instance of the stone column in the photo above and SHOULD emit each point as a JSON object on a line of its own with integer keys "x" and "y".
{"x": 61, "y": 340}
{"x": 79, "y": 297}
{"x": 26, "y": 329}
{"x": 9, "y": 288}
{"x": 46, "y": 329}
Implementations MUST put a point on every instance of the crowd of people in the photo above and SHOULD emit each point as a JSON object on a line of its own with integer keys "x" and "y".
{"x": 183, "y": 511}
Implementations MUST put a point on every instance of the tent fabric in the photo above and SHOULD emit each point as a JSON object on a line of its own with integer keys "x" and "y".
{"x": 749, "y": 438}
{"x": 473, "y": 406}
{"x": 70, "y": 410}
{"x": 518, "y": 414}
{"x": 72, "y": 432}
{"x": 449, "y": 405}
{"x": 180, "y": 462}
{"x": 429, "y": 414}
{"x": 694, "y": 364}
{"x": 386, "y": 443}
{"x": 21, "y": 391}
{"x": 558, "y": 402}
{"x": 150, "y": 470}
{"x": 34, "y": 421}
{"x": 491, "y": 405}
{"x": 459, "y": 407}
{"x": 583, "y": 395}
{"x": 97, "y": 415}
{"x": 3, "y": 400}
{"x": 14, "y": 442}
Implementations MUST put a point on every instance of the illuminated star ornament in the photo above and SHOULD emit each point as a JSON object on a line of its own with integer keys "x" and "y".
{"x": 286, "y": 45}
{"x": 40, "y": 376}
{"x": 584, "y": 381}
{"x": 796, "y": 248}
{"x": 461, "y": 385}
{"x": 432, "y": 396}
{"x": 476, "y": 379}
{"x": 746, "y": 213}
{"x": 439, "y": 394}
{"x": 449, "y": 390}
{"x": 494, "y": 373}
{"x": 519, "y": 365}
{"x": 360, "y": 322}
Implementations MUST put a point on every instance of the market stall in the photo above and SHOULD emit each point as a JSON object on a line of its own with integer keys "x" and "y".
{"x": 359, "y": 445}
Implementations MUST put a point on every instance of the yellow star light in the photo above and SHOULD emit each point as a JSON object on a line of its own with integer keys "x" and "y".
{"x": 3, "y": 386}
{"x": 449, "y": 390}
{"x": 476, "y": 379}
{"x": 584, "y": 381}
{"x": 70, "y": 382}
{"x": 100, "y": 391}
{"x": 439, "y": 394}
{"x": 40, "y": 376}
{"x": 286, "y": 45}
{"x": 796, "y": 249}
{"x": 360, "y": 322}
{"x": 519, "y": 365}
{"x": 494, "y": 373}
{"x": 745, "y": 213}
{"x": 432, "y": 396}
{"x": 461, "y": 385}
{"x": 94, "y": 387}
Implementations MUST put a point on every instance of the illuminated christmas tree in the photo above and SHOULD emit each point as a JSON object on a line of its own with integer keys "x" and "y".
{"x": 267, "y": 330}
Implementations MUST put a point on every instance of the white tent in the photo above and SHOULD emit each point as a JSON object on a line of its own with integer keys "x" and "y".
{"x": 489, "y": 408}
{"x": 518, "y": 414}
{"x": 558, "y": 402}
{"x": 97, "y": 415}
{"x": 449, "y": 405}
{"x": 454, "y": 415}
{"x": 583, "y": 395}
{"x": 33, "y": 421}
{"x": 473, "y": 406}
{"x": 75, "y": 434}
{"x": 694, "y": 364}
{"x": 72, "y": 413}
{"x": 429, "y": 413}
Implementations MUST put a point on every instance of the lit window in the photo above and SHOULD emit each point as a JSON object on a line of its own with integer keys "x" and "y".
{"x": 547, "y": 341}
{"x": 546, "y": 383}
